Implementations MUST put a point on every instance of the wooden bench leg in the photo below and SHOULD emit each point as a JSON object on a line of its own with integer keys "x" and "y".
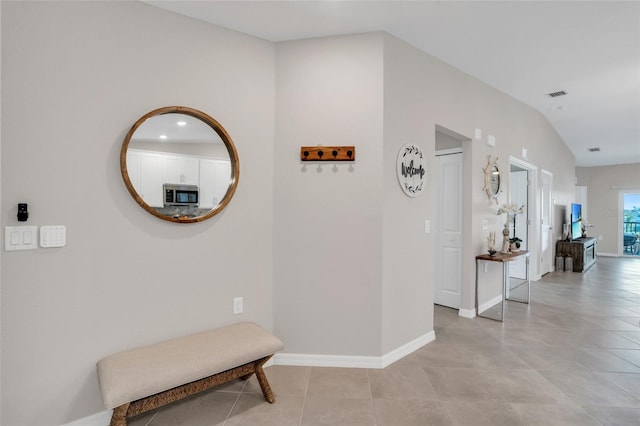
{"x": 119, "y": 417}
{"x": 262, "y": 379}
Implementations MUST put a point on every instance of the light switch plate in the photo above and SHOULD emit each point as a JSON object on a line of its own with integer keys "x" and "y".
{"x": 53, "y": 236}
{"x": 20, "y": 238}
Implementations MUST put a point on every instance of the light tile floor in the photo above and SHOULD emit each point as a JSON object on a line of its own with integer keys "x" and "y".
{"x": 570, "y": 358}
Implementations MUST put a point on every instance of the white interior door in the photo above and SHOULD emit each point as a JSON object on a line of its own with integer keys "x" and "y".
{"x": 449, "y": 230}
{"x": 546, "y": 224}
{"x": 518, "y": 194}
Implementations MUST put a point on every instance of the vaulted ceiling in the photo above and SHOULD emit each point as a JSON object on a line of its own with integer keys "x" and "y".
{"x": 527, "y": 49}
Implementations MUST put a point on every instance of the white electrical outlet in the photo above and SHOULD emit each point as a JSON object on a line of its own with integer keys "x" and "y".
{"x": 237, "y": 305}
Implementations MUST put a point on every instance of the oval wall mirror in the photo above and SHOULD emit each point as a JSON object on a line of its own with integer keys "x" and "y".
{"x": 492, "y": 179}
{"x": 179, "y": 164}
{"x": 495, "y": 181}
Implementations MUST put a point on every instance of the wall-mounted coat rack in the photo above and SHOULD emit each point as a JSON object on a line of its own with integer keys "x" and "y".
{"x": 327, "y": 153}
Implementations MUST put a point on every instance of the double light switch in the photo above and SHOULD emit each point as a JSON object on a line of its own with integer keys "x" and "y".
{"x": 20, "y": 238}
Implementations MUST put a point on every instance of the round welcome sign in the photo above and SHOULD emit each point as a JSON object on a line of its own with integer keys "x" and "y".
{"x": 411, "y": 170}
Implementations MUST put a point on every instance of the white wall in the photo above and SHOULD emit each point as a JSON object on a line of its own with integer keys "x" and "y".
{"x": 328, "y": 222}
{"x": 408, "y": 252}
{"x": 421, "y": 92}
{"x": 75, "y": 77}
{"x": 604, "y": 208}
{"x": 335, "y": 261}
{"x": 369, "y": 273}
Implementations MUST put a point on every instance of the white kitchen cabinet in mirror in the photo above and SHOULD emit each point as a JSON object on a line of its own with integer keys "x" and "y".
{"x": 181, "y": 169}
{"x": 213, "y": 175}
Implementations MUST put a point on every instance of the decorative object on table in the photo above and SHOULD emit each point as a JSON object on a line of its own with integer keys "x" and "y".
{"x": 492, "y": 181}
{"x": 515, "y": 243}
{"x": 568, "y": 264}
{"x": 505, "y": 239}
{"x": 584, "y": 229}
{"x": 411, "y": 169}
{"x": 511, "y": 210}
{"x": 491, "y": 243}
{"x": 566, "y": 235}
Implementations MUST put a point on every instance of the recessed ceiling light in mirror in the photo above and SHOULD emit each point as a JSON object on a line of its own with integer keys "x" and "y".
{"x": 178, "y": 128}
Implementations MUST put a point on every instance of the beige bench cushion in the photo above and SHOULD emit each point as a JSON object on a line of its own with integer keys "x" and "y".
{"x": 138, "y": 373}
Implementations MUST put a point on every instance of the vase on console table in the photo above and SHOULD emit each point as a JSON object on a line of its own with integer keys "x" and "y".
{"x": 505, "y": 239}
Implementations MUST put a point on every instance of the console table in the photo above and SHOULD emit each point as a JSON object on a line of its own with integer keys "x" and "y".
{"x": 583, "y": 251}
{"x": 504, "y": 259}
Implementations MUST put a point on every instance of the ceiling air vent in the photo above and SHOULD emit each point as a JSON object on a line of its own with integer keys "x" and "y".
{"x": 556, "y": 94}
{"x": 594, "y": 149}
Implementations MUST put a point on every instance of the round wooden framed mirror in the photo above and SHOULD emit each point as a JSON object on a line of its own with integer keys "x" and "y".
{"x": 179, "y": 164}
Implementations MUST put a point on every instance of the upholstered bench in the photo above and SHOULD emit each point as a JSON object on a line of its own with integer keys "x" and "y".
{"x": 142, "y": 379}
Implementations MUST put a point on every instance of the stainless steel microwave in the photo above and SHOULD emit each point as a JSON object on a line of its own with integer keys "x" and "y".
{"x": 181, "y": 195}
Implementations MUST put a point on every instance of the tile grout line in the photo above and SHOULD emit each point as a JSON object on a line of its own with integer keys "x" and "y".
{"x": 304, "y": 399}
{"x": 152, "y": 417}
{"x": 373, "y": 406}
{"x": 235, "y": 402}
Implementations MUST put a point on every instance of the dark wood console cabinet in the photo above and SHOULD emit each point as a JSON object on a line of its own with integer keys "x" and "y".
{"x": 583, "y": 251}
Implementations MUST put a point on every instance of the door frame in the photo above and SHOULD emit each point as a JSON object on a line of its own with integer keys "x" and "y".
{"x": 533, "y": 213}
{"x": 467, "y": 302}
{"x": 517, "y": 268}
{"x": 621, "y": 193}
{"x": 443, "y": 153}
{"x": 550, "y": 202}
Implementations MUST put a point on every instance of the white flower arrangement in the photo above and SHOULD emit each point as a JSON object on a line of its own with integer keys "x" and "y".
{"x": 511, "y": 209}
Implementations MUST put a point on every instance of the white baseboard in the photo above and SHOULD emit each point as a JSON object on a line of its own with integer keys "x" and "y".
{"x": 467, "y": 313}
{"x": 350, "y": 361}
{"x": 490, "y": 304}
{"x": 103, "y": 418}
{"x": 311, "y": 360}
{"x": 608, "y": 254}
{"x": 408, "y": 348}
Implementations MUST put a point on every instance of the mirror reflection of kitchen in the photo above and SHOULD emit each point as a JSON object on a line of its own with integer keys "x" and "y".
{"x": 178, "y": 165}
